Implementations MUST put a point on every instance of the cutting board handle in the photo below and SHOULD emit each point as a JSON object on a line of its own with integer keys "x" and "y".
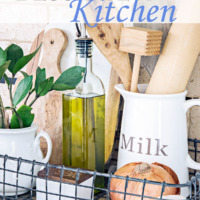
{"x": 54, "y": 42}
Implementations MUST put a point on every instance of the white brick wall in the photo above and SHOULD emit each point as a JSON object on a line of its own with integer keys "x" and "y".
{"x": 21, "y": 34}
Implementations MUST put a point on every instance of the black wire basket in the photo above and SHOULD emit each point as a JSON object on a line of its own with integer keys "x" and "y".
{"x": 51, "y": 189}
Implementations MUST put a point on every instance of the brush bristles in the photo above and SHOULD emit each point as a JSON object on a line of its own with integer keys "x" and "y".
{"x": 152, "y": 53}
{"x": 148, "y": 53}
{"x": 140, "y": 41}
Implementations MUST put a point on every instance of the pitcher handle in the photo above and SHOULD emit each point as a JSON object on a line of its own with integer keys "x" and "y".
{"x": 37, "y": 145}
{"x": 190, "y": 162}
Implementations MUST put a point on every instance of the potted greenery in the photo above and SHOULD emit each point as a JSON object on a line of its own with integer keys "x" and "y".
{"x": 18, "y": 135}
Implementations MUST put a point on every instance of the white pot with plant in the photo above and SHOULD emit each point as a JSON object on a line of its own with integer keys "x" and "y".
{"x": 18, "y": 136}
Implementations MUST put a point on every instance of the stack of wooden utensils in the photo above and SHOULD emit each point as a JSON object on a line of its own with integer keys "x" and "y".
{"x": 172, "y": 71}
{"x": 176, "y": 62}
{"x": 115, "y": 42}
{"x": 141, "y": 42}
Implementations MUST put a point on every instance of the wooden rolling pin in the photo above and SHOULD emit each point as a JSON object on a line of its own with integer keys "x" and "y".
{"x": 178, "y": 57}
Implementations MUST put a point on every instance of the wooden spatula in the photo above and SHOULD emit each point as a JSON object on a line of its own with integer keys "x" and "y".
{"x": 106, "y": 38}
{"x": 141, "y": 42}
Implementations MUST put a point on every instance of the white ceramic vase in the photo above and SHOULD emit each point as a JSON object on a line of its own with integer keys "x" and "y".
{"x": 21, "y": 143}
{"x": 154, "y": 129}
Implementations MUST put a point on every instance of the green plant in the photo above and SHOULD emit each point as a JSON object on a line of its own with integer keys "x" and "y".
{"x": 12, "y": 59}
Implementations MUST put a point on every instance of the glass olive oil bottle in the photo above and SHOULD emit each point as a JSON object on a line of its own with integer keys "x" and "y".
{"x": 84, "y": 117}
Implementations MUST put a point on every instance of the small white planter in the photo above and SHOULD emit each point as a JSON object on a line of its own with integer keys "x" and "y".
{"x": 25, "y": 144}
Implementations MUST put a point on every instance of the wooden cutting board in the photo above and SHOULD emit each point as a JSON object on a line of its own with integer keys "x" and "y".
{"x": 48, "y": 109}
{"x": 34, "y": 63}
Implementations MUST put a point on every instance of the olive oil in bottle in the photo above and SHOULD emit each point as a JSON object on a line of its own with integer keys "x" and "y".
{"x": 84, "y": 118}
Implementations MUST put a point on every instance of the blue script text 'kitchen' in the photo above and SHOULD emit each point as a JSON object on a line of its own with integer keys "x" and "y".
{"x": 153, "y": 13}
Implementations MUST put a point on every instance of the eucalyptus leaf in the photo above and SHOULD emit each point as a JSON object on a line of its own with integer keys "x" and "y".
{"x": 22, "y": 90}
{"x": 3, "y": 69}
{"x": 14, "y": 53}
{"x": 45, "y": 86}
{"x": 26, "y": 116}
{"x": 69, "y": 79}
{"x": 40, "y": 77}
{"x": 3, "y": 55}
{"x": 23, "y": 61}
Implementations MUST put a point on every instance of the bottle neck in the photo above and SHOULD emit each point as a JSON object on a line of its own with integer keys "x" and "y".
{"x": 90, "y": 84}
{"x": 84, "y": 61}
{"x": 84, "y": 55}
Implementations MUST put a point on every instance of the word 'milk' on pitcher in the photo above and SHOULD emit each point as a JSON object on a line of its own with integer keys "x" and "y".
{"x": 136, "y": 145}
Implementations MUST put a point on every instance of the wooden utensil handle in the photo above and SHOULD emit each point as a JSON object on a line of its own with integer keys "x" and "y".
{"x": 112, "y": 107}
{"x": 179, "y": 54}
{"x": 177, "y": 60}
{"x": 135, "y": 76}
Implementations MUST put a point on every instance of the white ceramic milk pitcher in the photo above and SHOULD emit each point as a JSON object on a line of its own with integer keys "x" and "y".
{"x": 154, "y": 129}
